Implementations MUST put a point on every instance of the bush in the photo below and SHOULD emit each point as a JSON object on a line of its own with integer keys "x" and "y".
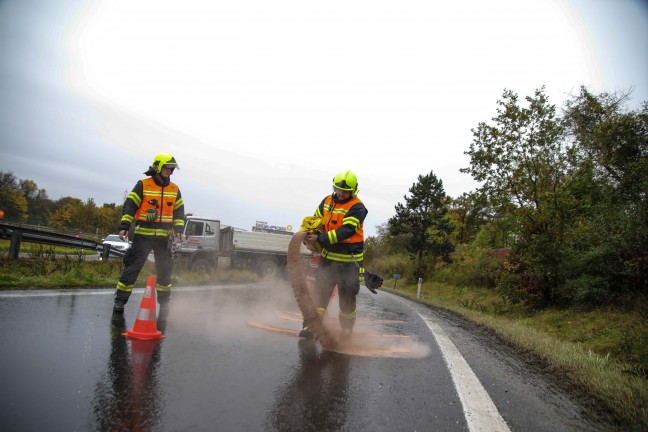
{"x": 471, "y": 266}
{"x": 389, "y": 265}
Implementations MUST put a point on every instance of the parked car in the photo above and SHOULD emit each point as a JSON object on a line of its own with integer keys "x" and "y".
{"x": 115, "y": 243}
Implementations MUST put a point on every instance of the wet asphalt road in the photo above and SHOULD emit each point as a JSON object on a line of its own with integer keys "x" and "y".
{"x": 65, "y": 366}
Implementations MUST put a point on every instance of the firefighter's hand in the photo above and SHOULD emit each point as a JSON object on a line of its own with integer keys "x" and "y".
{"x": 311, "y": 243}
{"x": 179, "y": 237}
{"x": 372, "y": 281}
{"x": 151, "y": 214}
{"x": 311, "y": 224}
{"x": 123, "y": 234}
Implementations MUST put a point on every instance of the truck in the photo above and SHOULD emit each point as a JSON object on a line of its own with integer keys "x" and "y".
{"x": 208, "y": 245}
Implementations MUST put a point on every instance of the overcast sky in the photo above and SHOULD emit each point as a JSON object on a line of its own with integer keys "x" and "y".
{"x": 263, "y": 102}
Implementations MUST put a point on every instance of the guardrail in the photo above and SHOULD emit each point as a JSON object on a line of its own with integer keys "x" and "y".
{"x": 17, "y": 233}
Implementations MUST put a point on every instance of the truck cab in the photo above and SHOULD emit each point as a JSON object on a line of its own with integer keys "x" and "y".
{"x": 201, "y": 234}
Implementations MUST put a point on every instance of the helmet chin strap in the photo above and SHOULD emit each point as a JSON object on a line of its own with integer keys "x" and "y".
{"x": 340, "y": 200}
{"x": 164, "y": 181}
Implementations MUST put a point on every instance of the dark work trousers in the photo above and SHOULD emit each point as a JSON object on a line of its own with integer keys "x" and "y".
{"x": 134, "y": 260}
{"x": 346, "y": 277}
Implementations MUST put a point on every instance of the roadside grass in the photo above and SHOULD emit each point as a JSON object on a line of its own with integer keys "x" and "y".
{"x": 49, "y": 271}
{"x": 603, "y": 352}
{"x": 39, "y": 249}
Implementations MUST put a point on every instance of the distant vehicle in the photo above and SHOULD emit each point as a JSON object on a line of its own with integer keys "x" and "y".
{"x": 208, "y": 245}
{"x": 115, "y": 243}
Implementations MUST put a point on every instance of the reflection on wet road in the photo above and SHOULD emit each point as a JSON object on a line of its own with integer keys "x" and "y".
{"x": 231, "y": 360}
{"x": 69, "y": 365}
{"x": 315, "y": 397}
{"x": 127, "y": 397}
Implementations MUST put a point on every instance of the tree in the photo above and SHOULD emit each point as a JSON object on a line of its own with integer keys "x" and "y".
{"x": 523, "y": 164}
{"x": 469, "y": 213}
{"x": 612, "y": 158}
{"x": 109, "y": 217}
{"x": 616, "y": 141}
{"x": 574, "y": 191}
{"x": 65, "y": 217}
{"x": 423, "y": 219}
{"x": 24, "y": 201}
{"x": 12, "y": 200}
{"x": 38, "y": 204}
{"x": 87, "y": 217}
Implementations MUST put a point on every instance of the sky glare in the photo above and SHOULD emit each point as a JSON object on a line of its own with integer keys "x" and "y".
{"x": 262, "y": 103}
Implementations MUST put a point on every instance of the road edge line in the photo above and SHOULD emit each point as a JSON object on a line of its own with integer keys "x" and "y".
{"x": 479, "y": 410}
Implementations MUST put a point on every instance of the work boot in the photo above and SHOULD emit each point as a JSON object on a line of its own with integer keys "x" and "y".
{"x": 121, "y": 298}
{"x": 164, "y": 297}
{"x": 119, "y": 305}
{"x": 163, "y": 318}
{"x": 164, "y": 309}
{"x": 117, "y": 325}
{"x": 305, "y": 333}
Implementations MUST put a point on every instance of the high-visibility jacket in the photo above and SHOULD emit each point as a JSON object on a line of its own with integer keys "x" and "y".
{"x": 165, "y": 200}
{"x": 343, "y": 222}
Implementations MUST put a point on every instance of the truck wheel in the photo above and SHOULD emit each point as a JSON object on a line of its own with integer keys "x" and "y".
{"x": 268, "y": 268}
{"x": 201, "y": 265}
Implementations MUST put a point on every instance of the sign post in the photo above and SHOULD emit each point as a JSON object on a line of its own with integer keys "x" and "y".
{"x": 396, "y": 276}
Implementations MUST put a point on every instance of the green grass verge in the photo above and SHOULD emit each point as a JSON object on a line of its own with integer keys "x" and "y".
{"x": 40, "y": 272}
{"x": 44, "y": 250}
{"x": 603, "y": 352}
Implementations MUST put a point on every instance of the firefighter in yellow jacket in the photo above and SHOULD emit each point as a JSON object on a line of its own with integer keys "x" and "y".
{"x": 342, "y": 242}
{"x": 155, "y": 206}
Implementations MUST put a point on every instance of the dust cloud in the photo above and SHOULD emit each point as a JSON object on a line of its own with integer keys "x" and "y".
{"x": 227, "y": 309}
{"x": 234, "y": 312}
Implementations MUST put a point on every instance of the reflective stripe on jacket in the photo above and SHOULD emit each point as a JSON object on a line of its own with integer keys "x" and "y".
{"x": 335, "y": 216}
{"x": 160, "y": 198}
{"x": 169, "y": 208}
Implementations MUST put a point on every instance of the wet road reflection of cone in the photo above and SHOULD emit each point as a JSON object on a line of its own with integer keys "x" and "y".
{"x": 145, "y": 326}
{"x": 333, "y": 295}
{"x": 140, "y": 359}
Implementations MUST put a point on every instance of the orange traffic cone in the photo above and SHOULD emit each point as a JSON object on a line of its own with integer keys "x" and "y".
{"x": 146, "y": 322}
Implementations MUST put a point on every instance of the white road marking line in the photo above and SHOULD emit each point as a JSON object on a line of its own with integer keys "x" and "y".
{"x": 480, "y": 411}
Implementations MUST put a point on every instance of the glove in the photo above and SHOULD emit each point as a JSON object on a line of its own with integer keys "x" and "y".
{"x": 312, "y": 224}
{"x": 372, "y": 281}
{"x": 151, "y": 215}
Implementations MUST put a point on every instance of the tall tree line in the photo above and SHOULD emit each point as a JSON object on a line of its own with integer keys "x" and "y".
{"x": 565, "y": 191}
{"x": 22, "y": 201}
